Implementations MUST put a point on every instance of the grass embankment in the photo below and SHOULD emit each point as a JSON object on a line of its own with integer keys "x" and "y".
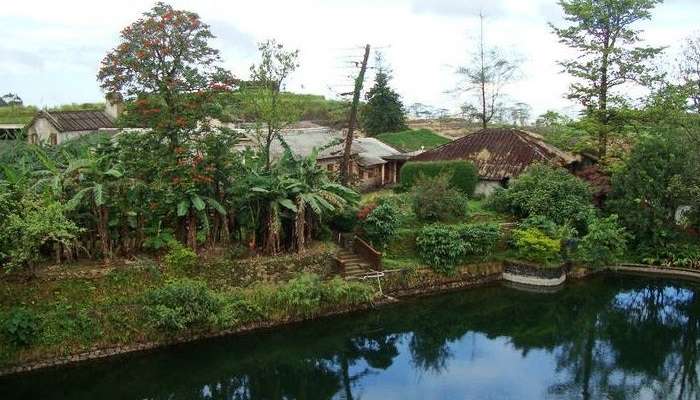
{"x": 148, "y": 301}
{"x": 412, "y": 140}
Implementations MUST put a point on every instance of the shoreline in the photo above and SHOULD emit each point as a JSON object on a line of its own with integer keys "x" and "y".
{"x": 421, "y": 289}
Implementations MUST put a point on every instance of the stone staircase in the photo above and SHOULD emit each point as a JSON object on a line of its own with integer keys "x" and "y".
{"x": 354, "y": 265}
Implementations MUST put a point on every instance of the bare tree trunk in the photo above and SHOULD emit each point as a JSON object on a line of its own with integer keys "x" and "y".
{"x": 603, "y": 104}
{"x": 103, "y": 231}
{"x": 192, "y": 230}
{"x": 300, "y": 226}
{"x": 272, "y": 240}
{"x": 346, "y": 172}
{"x": 140, "y": 236}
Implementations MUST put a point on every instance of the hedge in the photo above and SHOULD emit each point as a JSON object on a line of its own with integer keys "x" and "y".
{"x": 464, "y": 175}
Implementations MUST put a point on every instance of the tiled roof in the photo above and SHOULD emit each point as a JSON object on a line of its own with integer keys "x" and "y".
{"x": 499, "y": 153}
{"x": 70, "y": 121}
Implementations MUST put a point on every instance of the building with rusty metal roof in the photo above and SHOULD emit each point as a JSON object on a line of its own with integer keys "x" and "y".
{"x": 500, "y": 154}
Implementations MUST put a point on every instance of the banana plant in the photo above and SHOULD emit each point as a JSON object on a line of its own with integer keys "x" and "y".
{"x": 193, "y": 206}
{"x": 95, "y": 178}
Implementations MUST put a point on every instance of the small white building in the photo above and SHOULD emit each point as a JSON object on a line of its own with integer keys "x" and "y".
{"x": 56, "y": 127}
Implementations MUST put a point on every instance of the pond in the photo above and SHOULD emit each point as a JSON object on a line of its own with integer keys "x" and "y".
{"x": 612, "y": 337}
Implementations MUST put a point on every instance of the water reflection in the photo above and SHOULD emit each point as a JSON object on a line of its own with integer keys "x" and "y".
{"x": 609, "y": 338}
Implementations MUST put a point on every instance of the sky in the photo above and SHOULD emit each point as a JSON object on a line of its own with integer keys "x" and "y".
{"x": 51, "y": 50}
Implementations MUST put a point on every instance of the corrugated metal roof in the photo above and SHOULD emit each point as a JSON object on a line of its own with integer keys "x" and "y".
{"x": 71, "y": 121}
{"x": 499, "y": 153}
{"x": 372, "y": 151}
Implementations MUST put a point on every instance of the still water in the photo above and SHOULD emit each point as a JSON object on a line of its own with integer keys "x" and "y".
{"x": 612, "y": 337}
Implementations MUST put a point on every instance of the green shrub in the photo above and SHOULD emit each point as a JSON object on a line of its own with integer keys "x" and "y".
{"x": 479, "y": 239}
{"x": 441, "y": 247}
{"x": 238, "y": 309}
{"x": 681, "y": 255}
{"x": 403, "y": 244}
{"x": 380, "y": 225}
{"x": 182, "y": 304}
{"x": 340, "y": 292}
{"x": 37, "y": 224}
{"x": 548, "y": 227}
{"x": 20, "y": 326}
{"x": 604, "y": 244}
{"x": 301, "y": 296}
{"x": 435, "y": 201}
{"x": 344, "y": 220}
{"x": 649, "y": 187}
{"x": 534, "y": 245}
{"x": 547, "y": 191}
{"x": 307, "y": 295}
{"x": 179, "y": 257}
{"x": 463, "y": 174}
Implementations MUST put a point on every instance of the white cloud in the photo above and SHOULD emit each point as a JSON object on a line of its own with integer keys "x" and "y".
{"x": 51, "y": 50}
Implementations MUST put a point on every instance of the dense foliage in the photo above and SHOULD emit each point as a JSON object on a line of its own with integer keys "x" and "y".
{"x": 20, "y": 326}
{"x": 549, "y": 192}
{"x": 645, "y": 192}
{"x": 435, "y": 200}
{"x": 534, "y": 245}
{"x": 463, "y": 175}
{"x": 443, "y": 247}
{"x": 380, "y": 224}
{"x": 604, "y": 244}
{"x": 182, "y": 304}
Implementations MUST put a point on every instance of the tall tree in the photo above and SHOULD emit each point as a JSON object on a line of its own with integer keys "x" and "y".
{"x": 164, "y": 59}
{"x": 11, "y": 99}
{"x": 165, "y": 65}
{"x": 486, "y": 75}
{"x": 520, "y": 113}
{"x": 609, "y": 55}
{"x": 384, "y": 111}
{"x": 689, "y": 70}
{"x": 262, "y": 97}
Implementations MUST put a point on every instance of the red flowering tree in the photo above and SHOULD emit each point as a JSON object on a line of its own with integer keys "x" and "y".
{"x": 169, "y": 75}
{"x": 165, "y": 65}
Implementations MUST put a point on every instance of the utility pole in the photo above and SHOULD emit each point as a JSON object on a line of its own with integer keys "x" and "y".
{"x": 346, "y": 172}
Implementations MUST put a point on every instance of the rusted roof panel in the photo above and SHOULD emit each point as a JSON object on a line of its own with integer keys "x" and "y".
{"x": 499, "y": 153}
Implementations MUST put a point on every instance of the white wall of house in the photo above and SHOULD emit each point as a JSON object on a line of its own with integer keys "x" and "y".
{"x": 41, "y": 131}
{"x": 65, "y": 136}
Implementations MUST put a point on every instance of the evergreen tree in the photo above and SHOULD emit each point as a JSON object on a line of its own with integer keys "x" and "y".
{"x": 608, "y": 56}
{"x": 384, "y": 111}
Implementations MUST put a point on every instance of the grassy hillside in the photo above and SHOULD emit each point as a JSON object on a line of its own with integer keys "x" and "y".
{"x": 17, "y": 115}
{"x": 412, "y": 140}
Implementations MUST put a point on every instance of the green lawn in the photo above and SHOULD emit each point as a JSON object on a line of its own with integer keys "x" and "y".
{"x": 412, "y": 140}
{"x": 17, "y": 115}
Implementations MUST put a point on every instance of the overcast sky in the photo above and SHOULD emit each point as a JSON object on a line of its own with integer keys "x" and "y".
{"x": 50, "y": 50}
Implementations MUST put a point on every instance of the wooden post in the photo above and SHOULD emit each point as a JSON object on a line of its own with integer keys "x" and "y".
{"x": 346, "y": 173}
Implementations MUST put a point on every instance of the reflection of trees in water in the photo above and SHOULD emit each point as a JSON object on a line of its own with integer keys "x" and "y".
{"x": 642, "y": 339}
{"x": 610, "y": 338}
